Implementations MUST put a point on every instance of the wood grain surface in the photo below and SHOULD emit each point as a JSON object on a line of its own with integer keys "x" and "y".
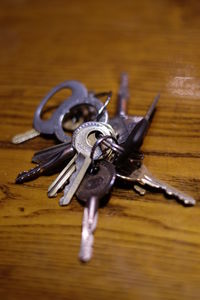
{"x": 145, "y": 247}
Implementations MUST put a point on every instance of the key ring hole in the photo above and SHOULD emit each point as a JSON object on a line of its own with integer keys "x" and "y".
{"x": 92, "y": 137}
{"x": 55, "y": 101}
{"x": 77, "y": 116}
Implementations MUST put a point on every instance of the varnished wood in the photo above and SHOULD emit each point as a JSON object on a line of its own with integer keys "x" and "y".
{"x": 145, "y": 247}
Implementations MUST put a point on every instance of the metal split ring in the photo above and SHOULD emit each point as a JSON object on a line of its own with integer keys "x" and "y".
{"x": 104, "y": 140}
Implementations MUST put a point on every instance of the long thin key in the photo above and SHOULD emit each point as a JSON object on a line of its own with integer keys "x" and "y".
{"x": 89, "y": 223}
{"x": 62, "y": 178}
{"x": 83, "y": 146}
{"x": 142, "y": 176}
{"x": 93, "y": 188}
{"x": 47, "y": 165}
{"x": 123, "y": 95}
{"x": 121, "y": 122}
{"x": 82, "y": 164}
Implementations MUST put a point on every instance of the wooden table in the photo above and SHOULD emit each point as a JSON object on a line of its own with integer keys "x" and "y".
{"x": 145, "y": 247}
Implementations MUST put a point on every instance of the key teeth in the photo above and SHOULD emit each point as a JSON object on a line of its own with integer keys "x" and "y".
{"x": 22, "y": 177}
{"x": 186, "y": 200}
{"x": 189, "y": 202}
{"x": 27, "y": 175}
{"x": 183, "y": 198}
{"x": 19, "y": 179}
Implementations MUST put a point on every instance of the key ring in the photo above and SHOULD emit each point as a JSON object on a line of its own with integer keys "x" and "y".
{"x": 103, "y": 108}
{"x": 104, "y": 140}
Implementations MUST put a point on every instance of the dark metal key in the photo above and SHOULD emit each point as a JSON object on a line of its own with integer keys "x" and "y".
{"x": 48, "y": 153}
{"x": 135, "y": 139}
{"x": 48, "y": 160}
{"x": 94, "y": 187}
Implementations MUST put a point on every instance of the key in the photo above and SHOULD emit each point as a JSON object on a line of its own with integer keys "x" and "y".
{"x": 47, "y": 153}
{"x": 131, "y": 171}
{"x": 23, "y": 137}
{"x": 94, "y": 187}
{"x": 135, "y": 139}
{"x": 67, "y": 172}
{"x": 62, "y": 178}
{"x": 52, "y": 163}
{"x": 64, "y": 109}
{"x": 83, "y": 141}
{"x": 121, "y": 122}
{"x": 78, "y": 92}
{"x": 123, "y": 95}
{"x": 54, "y": 125}
{"x": 83, "y": 146}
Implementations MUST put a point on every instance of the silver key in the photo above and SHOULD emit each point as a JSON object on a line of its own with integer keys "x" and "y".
{"x": 83, "y": 145}
{"x": 54, "y": 125}
{"x": 142, "y": 176}
{"x": 89, "y": 224}
{"x": 79, "y": 92}
{"x": 93, "y": 189}
{"x": 23, "y": 137}
{"x": 68, "y": 171}
{"x": 62, "y": 178}
{"x": 121, "y": 122}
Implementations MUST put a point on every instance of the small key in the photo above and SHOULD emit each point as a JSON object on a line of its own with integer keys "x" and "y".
{"x": 83, "y": 143}
{"x": 47, "y": 164}
{"x": 92, "y": 189}
{"x": 130, "y": 171}
{"x": 121, "y": 122}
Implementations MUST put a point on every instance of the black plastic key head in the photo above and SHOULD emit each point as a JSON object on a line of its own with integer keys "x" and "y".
{"x": 137, "y": 135}
{"x": 93, "y": 189}
{"x": 97, "y": 184}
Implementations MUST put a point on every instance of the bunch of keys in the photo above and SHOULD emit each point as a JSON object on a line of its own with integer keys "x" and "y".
{"x": 99, "y": 151}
